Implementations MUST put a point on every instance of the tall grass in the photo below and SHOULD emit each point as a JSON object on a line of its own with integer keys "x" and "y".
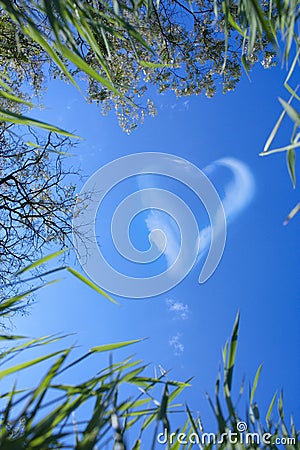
{"x": 124, "y": 406}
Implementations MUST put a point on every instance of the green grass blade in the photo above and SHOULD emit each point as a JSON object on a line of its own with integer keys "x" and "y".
{"x": 25, "y": 365}
{"x": 6, "y": 305}
{"x": 273, "y": 132}
{"x": 35, "y": 34}
{"x": 232, "y": 352}
{"x": 13, "y": 98}
{"x": 253, "y": 390}
{"x": 290, "y": 158}
{"x": 81, "y": 64}
{"x": 41, "y": 261}
{"x": 115, "y": 346}
{"x": 281, "y": 149}
{"x": 12, "y": 117}
{"x": 270, "y": 409}
{"x": 292, "y": 113}
{"x": 292, "y": 214}
{"x": 90, "y": 284}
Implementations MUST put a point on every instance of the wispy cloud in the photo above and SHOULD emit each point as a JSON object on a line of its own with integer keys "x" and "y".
{"x": 239, "y": 191}
{"x": 180, "y": 105}
{"x": 178, "y": 309}
{"x": 155, "y": 221}
{"x": 181, "y": 246}
{"x": 237, "y": 194}
{"x": 176, "y": 344}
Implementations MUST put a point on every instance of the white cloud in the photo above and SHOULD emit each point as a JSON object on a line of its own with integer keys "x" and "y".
{"x": 239, "y": 192}
{"x": 179, "y": 309}
{"x": 237, "y": 196}
{"x": 176, "y": 344}
{"x": 156, "y": 221}
{"x": 166, "y": 238}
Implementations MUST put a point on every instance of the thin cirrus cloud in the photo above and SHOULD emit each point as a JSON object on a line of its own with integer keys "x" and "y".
{"x": 155, "y": 220}
{"x": 237, "y": 195}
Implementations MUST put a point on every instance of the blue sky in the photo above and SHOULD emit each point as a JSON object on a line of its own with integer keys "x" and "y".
{"x": 258, "y": 273}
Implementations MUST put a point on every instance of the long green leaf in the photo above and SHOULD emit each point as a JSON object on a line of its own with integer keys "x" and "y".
{"x": 253, "y": 390}
{"x": 41, "y": 261}
{"x": 232, "y": 352}
{"x": 13, "y": 117}
{"x": 292, "y": 214}
{"x": 270, "y": 409}
{"x": 290, "y": 157}
{"x": 90, "y": 284}
{"x": 115, "y": 346}
{"x": 294, "y": 115}
{"x": 25, "y": 365}
{"x": 281, "y": 149}
{"x": 13, "y": 98}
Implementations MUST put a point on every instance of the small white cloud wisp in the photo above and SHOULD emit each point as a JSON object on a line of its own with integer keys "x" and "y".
{"x": 178, "y": 309}
{"x": 176, "y": 344}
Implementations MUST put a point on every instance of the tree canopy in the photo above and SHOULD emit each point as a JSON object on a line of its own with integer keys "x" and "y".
{"x": 116, "y": 51}
{"x": 37, "y": 197}
{"x": 183, "y": 47}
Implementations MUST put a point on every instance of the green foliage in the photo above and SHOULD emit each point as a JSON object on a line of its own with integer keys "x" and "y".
{"x": 272, "y": 20}
{"x": 122, "y": 406}
{"x": 44, "y": 416}
{"x": 294, "y": 143}
{"x": 121, "y": 48}
{"x": 21, "y": 59}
